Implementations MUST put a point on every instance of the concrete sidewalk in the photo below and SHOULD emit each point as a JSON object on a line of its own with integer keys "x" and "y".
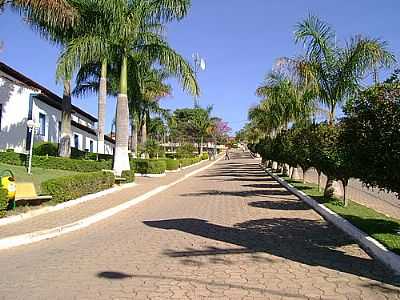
{"x": 89, "y": 208}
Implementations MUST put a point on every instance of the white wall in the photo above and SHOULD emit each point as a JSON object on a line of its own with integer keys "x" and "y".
{"x": 15, "y": 102}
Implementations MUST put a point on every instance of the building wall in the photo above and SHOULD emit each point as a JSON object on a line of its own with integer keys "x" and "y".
{"x": 15, "y": 108}
{"x": 18, "y": 103}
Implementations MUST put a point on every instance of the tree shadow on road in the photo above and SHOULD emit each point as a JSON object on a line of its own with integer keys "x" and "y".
{"x": 212, "y": 283}
{"x": 280, "y": 205}
{"x": 309, "y": 242}
{"x": 248, "y": 193}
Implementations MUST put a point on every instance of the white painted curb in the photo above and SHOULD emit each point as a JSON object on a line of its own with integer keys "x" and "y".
{"x": 369, "y": 244}
{"x": 24, "y": 239}
{"x": 71, "y": 203}
{"x": 150, "y": 175}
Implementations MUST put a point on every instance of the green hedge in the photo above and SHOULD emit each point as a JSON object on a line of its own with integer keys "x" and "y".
{"x": 12, "y": 158}
{"x": 149, "y": 166}
{"x": 204, "y": 156}
{"x": 196, "y": 160}
{"x": 43, "y": 149}
{"x": 58, "y": 163}
{"x": 172, "y": 164}
{"x": 3, "y": 201}
{"x": 71, "y": 187}
{"x": 185, "y": 162}
{"x": 128, "y": 175}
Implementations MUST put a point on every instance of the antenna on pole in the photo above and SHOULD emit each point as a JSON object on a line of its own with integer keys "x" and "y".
{"x": 199, "y": 64}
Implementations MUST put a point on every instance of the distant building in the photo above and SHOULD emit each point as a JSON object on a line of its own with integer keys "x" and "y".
{"x": 22, "y": 99}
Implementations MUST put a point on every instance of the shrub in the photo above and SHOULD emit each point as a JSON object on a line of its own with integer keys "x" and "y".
{"x": 58, "y": 163}
{"x": 172, "y": 164}
{"x": 195, "y": 160}
{"x": 204, "y": 156}
{"x": 185, "y": 151}
{"x": 149, "y": 166}
{"x": 61, "y": 163}
{"x": 71, "y": 187}
{"x": 185, "y": 162}
{"x": 12, "y": 158}
{"x": 372, "y": 135}
{"x": 3, "y": 201}
{"x": 128, "y": 175}
{"x": 43, "y": 149}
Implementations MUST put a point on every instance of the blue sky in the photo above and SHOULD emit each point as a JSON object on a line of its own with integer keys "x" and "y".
{"x": 240, "y": 41}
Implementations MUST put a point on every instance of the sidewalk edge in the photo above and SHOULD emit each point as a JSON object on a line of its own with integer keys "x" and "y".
{"x": 369, "y": 244}
{"x": 29, "y": 238}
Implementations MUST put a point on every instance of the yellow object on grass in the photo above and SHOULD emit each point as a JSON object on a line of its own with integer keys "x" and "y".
{"x": 8, "y": 183}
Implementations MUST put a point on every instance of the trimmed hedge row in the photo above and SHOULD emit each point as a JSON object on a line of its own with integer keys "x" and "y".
{"x": 149, "y": 166}
{"x": 128, "y": 175}
{"x": 51, "y": 149}
{"x": 58, "y": 163}
{"x": 204, "y": 156}
{"x": 172, "y": 164}
{"x": 71, "y": 187}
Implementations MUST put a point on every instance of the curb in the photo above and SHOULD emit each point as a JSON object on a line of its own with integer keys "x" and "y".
{"x": 71, "y": 203}
{"x": 29, "y": 238}
{"x": 150, "y": 175}
{"x": 369, "y": 244}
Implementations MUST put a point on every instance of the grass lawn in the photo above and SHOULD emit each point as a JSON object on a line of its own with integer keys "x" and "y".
{"x": 38, "y": 175}
{"x": 382, "y": 228}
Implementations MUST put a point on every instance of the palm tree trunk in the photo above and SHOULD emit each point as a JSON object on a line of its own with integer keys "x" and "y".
{"x": 201, "y": 145}
{"x": 134, "y": 137}
{"x": 121, "y": 159}
{"x": 64, "y": 149}
{"x": 102, "y": 107}
{"x": 144, "y": 129}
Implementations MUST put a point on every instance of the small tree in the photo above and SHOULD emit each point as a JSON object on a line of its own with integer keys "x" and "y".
{"x": 372, "y": 135}
{"x": 301, "y": 138}
{"x": 333, "y": 158}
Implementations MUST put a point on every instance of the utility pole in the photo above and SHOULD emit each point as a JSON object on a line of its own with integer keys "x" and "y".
{"x": 199, "y": 64}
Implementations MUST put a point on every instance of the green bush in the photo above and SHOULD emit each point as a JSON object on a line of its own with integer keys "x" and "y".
{"x": 149, "y": 166}
{"x": 79, "y": 154}
{"x": 43, "y": 149}
{"x": 58, "y": 163}
{"x": 185, "y": 151}
{"x": 204, "y": 156}
{"x": 172, "y": 164}
{"x": 12, "y": 158}
{"x": 185, "y": 162}
{"x": 68, "y": 164}
{"x": 71, "y": 187}
{"x": 3, "y": 201}
{"x": 128, "y": 175}
{"x": 196, "y": 160}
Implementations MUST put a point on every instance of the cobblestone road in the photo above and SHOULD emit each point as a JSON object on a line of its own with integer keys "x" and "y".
{"x": 228, "y": 233}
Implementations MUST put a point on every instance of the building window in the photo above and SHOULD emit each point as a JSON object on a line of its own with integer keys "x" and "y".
{"x": 1, "y": 113}
{"x": 59, "y": 131}
{"x": 42, "y": 124}
{"x": 76, "y": 141}
{"x": 91, "y": 146}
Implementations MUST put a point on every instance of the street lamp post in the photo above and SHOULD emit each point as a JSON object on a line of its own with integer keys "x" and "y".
{"x": 31, "y": 127}
{"x": 199, "y": 65}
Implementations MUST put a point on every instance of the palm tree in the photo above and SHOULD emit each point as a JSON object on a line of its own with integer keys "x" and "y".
{"x": 59, "y": 12}
{"x": 337, "y": 72}
{"x": 128, "y": 28}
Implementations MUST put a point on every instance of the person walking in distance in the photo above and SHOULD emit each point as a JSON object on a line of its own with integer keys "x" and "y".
{"x": 227, "y": 154}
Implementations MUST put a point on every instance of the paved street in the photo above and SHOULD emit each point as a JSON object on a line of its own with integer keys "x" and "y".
{"x": 227, "y": 233}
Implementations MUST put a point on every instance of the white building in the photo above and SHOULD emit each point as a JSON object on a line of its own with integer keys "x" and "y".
{"x": 22, "y": 99}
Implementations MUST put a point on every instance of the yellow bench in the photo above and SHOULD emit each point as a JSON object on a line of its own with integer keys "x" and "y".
{"x": 26, "y": 193}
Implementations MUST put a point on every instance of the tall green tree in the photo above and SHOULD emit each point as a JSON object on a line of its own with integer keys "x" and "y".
{"x": 336, "y": 71}
{"x": 129, "y": 28}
